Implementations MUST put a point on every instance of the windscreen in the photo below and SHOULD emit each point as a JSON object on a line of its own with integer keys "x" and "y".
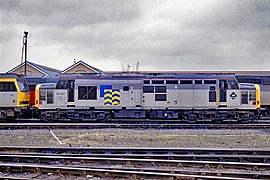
{"x": 23, "y": 85}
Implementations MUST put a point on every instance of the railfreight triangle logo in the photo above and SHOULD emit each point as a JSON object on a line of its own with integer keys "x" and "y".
{"x": 233, "y": 95}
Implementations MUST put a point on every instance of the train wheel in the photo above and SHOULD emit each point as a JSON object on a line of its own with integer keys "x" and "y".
{"x": 103, "y": 117}
{"x": 245, "y": 118}
{"x": 215, "y": 118}
{"x": 220, "y": 117}
{"x": 218, "y": 121}
{"x": 43, "y": 118}
{"x": 253, "y": 118}
{"x": 11, "y": 119}
{"x": 192, "y": 121}
{"x": 76, "y": 118}
{"x": 191, "y": 118}
{"x": 245, "y": 121}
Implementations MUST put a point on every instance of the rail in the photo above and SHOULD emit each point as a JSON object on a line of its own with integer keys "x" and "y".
{"x": 116, "y": 172}
{"x": 8, "y": 126}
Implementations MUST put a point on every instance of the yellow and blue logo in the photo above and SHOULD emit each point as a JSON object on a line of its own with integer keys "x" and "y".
{"x": 111, "y": 96}
{"x": 107, "y": 97}
{"x": 116, "y": 97}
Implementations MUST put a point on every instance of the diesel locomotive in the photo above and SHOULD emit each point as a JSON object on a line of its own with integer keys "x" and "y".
{"x": 190, "y": 97}
{"x": 14, "y": 96}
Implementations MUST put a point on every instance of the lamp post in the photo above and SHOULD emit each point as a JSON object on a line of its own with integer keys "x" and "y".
{"x": 25, "y": 50}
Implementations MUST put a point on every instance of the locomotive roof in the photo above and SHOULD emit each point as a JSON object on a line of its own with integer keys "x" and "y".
{"x": 10, "y": 75}
{"x": 53, "y": 79}
{"x": 252, "y": 75}
{"x": 147, "y": 76}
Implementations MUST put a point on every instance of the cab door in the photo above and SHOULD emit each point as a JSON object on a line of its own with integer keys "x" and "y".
{"x": 223, "y": 93}
{"x": 71, "y": 87}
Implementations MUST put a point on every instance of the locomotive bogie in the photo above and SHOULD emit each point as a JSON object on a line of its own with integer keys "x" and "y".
{"x": 7, "y": 113}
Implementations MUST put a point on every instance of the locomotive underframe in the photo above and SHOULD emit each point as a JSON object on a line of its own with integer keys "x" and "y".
{"x": 191, "y": 115}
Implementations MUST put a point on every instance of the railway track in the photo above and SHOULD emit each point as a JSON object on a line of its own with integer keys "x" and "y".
{"x": 134, "y": 173}
{"x": 138, "y": 162}
{"x": 140, "y": 121}
{"x": 188, "y": 157}
{"x": 128, "y": 150}
{"x": 8, "y": 126}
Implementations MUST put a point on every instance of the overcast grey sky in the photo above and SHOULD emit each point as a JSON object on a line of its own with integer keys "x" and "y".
{"x": 161, "y": 35}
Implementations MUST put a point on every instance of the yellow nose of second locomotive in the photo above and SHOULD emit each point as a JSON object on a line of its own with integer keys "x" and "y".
{"x": 23, "y": 99}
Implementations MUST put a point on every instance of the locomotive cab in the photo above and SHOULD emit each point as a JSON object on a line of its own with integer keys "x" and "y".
{"x": 250, "y": 95}
{"x": 44, "y": 95}
{"x": 14, "y": 94}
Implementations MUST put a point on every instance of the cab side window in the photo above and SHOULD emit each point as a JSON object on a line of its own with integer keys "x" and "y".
{"x": 7, "y": 87}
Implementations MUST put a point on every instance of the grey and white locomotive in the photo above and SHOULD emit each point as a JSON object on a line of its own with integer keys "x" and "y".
{"x": 190, "y": 97}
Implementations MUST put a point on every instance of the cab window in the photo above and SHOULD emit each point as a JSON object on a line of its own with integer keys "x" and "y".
{"x": 42, "y": 95}
{"x": 7, "y": 87}
{"x": 49, "y": 97}
{"x": 232, "y": 84}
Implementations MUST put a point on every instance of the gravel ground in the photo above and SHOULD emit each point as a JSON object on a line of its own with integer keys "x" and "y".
{"x": 139, "y": 138}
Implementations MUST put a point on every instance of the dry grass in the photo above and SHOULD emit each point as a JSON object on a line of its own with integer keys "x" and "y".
{"x": 139, "y": 138}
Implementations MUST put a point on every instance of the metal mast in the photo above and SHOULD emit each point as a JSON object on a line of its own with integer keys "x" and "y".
{"x": 25, "y": 50}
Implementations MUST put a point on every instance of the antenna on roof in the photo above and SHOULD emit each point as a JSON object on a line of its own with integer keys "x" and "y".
{"x": 137, "y": 66}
